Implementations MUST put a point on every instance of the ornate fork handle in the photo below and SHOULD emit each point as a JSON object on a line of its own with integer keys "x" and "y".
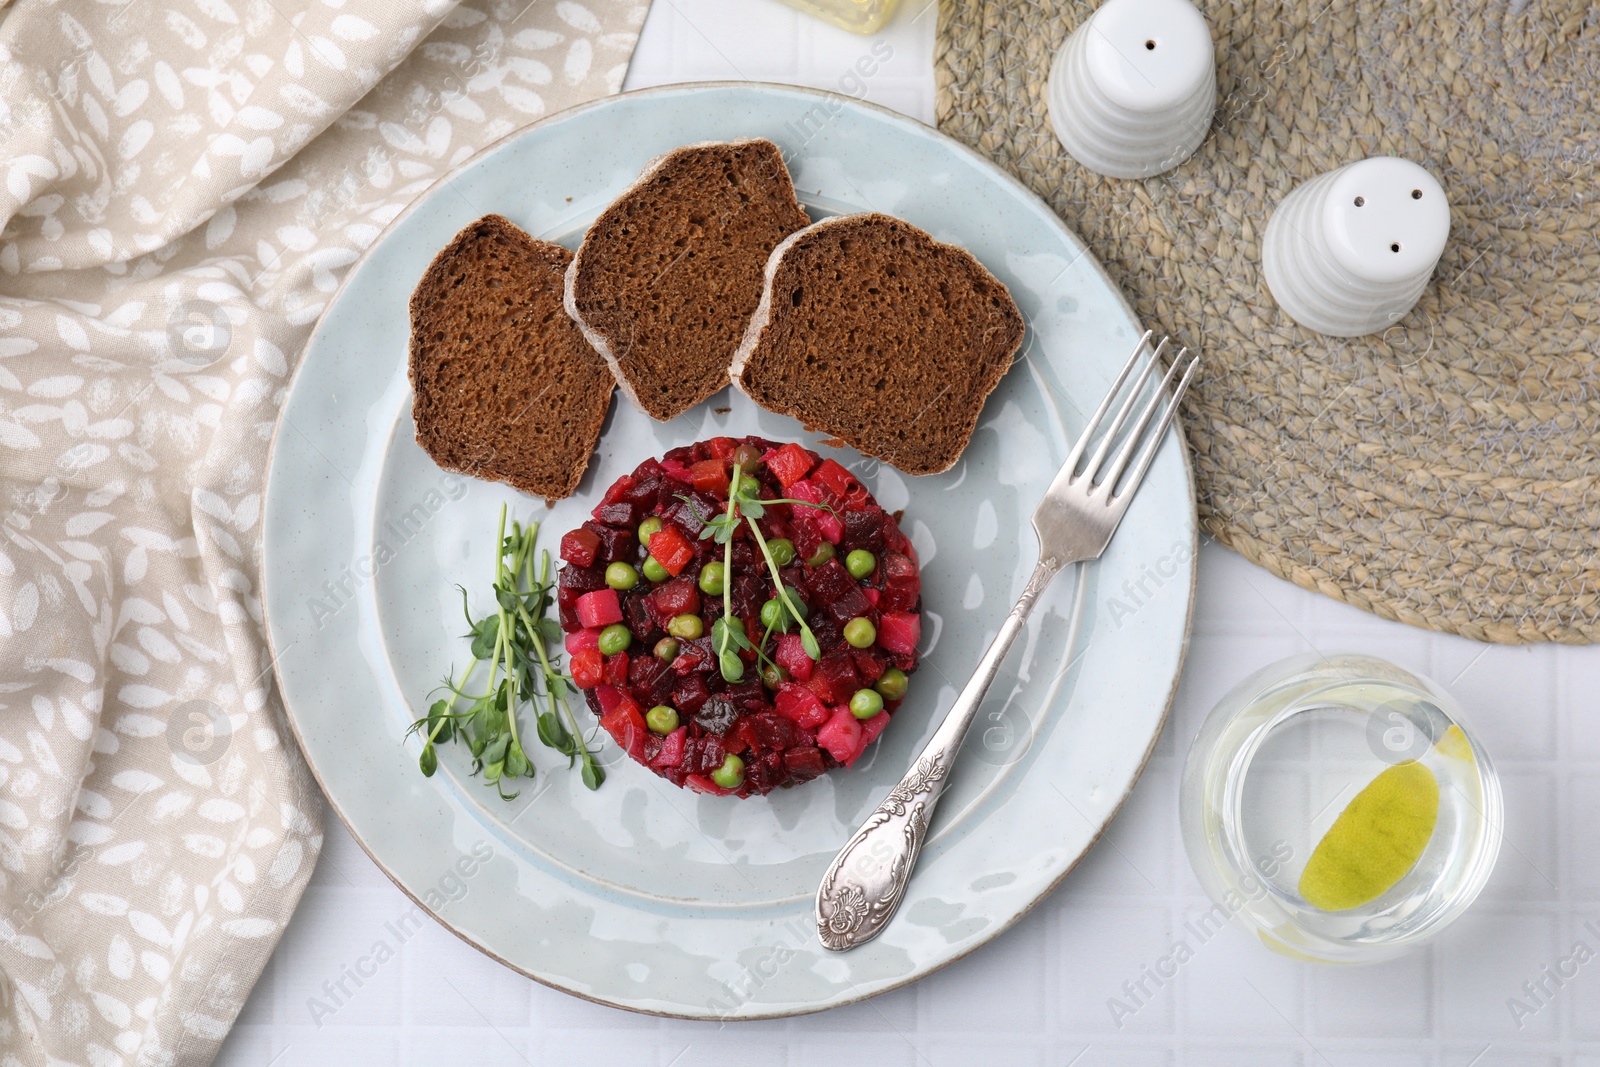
{"x": 868, "y": 878}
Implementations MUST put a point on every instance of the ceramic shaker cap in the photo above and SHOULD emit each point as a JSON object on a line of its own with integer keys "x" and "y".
{"x": 1350, "y": 252}
{"x": 1132, "y": 91}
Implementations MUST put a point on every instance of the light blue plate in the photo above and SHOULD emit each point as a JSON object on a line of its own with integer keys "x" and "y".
{"x": 642, "y": 895}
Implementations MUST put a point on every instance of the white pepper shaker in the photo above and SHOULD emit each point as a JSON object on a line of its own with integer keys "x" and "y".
{"x": 1132, "y": 91}
{"x": 1350, "y": 251}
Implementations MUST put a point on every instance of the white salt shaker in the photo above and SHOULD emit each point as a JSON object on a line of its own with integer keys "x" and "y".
{"x": 1132, "y": 91}
{"x": 1350, "y": 252}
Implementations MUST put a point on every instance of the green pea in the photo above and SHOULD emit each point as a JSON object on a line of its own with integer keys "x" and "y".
{"x": 654, "y": 571}
{"x": 860, "y": 563}
{"x": 647, "y": 528}
{"x": 666, "y": 649}
{"x": 621, "y": 575}
{"x": 712, "y": 579}
{"x": 782, "y": 550}
{"x": 892, "y": 684}
{"x": 615, "y": 638}
{"x": 731, "y": 774}
{"x": 823, "y": 554}
{"x": 661, "y": 719}
{"x": 860, "y": 633}
{"x": 688, "y": 627}
{"x": 773, "y": 617}
{"x": 773, "y": 675}
{"x": 866, "y": 703}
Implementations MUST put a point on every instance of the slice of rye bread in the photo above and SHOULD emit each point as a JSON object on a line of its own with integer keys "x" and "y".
{"x": 871, "y": 331}
{"x": 668, "y": 275}
{"x": 505, "y": 387}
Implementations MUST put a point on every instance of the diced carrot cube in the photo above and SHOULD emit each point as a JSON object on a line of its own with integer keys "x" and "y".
{"x": 671, "y": 549}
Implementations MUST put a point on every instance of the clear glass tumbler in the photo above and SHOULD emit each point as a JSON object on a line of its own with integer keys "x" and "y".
{"x": 1339, "y": 809}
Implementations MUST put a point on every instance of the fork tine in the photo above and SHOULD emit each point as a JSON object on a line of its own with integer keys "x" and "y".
{"x": 1082, "y": 445}
{"x": 1153, "y": 442}
{"x": 1128, "y": 406}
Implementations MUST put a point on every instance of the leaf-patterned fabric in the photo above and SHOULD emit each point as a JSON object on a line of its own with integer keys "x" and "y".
{"x": 184, "y": 185}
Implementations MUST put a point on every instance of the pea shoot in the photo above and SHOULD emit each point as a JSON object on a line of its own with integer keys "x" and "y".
{"x": 518, "y": 642}
{"x": 727, "y": 633}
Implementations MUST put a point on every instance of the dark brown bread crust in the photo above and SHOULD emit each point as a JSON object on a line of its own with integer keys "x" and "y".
{"x": 669, "y": 274}
{"x": 873, "y": 332}
{"x": 505, "y": 387}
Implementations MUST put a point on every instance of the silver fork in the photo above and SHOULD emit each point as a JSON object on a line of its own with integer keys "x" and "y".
{"x": 1074, "y": 522}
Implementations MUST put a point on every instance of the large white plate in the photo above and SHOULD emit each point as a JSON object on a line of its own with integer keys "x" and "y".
{"x": 641, "y": 895}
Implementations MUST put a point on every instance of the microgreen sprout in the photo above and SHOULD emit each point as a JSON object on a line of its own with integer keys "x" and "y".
{"x": 516, "y": 642}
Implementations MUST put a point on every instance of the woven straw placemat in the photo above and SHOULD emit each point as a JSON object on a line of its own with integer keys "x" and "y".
{"x": 1443, "y": 473}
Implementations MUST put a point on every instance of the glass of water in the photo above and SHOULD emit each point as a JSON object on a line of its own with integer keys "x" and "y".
{"x": 1339, "y": 808}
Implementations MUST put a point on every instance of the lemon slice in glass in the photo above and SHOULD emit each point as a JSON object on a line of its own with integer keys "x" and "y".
{"x": 1375, "y": 840}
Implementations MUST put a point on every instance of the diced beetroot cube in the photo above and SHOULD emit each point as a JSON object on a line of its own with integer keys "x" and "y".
{"x": 749, "y": 694}
{"x": 671, "y": 753}
{"x": 807, "y": 538}
{"x": 819, "y": 686}
{"x": 722, "y": 448}
{"x": 789, "y": 464}
{"x": 617, "y": 489}
{"x": 841, "y": 483}
{"x": 626, "y": 726}
{"x": 677, "y": 597}
{"x": 578, "y": 547}
{"x": 676, "y": 469}
{"x": 701, "y": 784}
{"x": 582, "y": 641}
{"x": 599, "y": 608}
{"x": 702, "y": 755}
{"x": 840, "y": 735}
{"x": 616, "y": 669}
{"x": 828, "y": 583}
{"x": 652, "y": 747}
{"x": 870, "y": 729}
{"x": 774, "y": 731}
{"x": 580, "y": 580}
{"x": 839, "y": 669}
{"x": 899, "y": 569}
{"x": 870, "y": 664}
{"x": 828, "y": 632}
{"x": 899, "y": 631}
{"x": 872, "y": 595}
{"x": 863, "y": 528}
{"x": 710, "y": 476}
{"x": 617, "y": 543}
{"x": 671, "y": 549}
{"x": 693, "y": 655}
{"x": 899, "y": 598}
{"x": 692, "y": 515}
{"x": 647, "y": 489}
{"x": 607, "y": 697}
{"x": 801, "y": 705}
{"x": 852, "y": 604}
{"x": 718, "y": 715}
{"x": 588, "y": 668}
{"x": 791, "y": 656}
{"x": 765, "y": 775}
{"x": 804, "y": 763}
{"x": 568, "y": 616}
{"x": 742, "y": 737}
{"x": 650, "y": 679}
{"x": 636, "y": 613}
{"x": 622, "y": 513}
{"x": 827, "y": 523}
{"x": 690, "y": 693}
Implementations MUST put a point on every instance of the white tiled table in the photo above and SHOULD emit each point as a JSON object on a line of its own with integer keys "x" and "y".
{"x": 1039, "y": 994}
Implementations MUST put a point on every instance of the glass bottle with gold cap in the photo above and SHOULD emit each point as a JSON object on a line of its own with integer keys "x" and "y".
{"x": 857, "y": 16}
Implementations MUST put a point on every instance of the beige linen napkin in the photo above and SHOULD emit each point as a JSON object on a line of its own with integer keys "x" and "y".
{"x": 182, "y": 187}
